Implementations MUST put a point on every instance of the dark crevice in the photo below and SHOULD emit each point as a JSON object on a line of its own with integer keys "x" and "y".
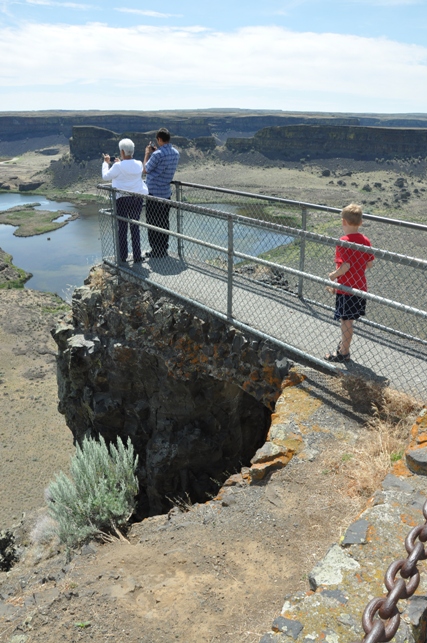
{"x": 190, "y": 438}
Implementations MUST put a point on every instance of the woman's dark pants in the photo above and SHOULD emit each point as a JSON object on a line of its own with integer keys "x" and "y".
{"x": 129, "y": 207}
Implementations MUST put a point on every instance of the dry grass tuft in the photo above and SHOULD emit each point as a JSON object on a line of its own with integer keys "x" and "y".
{"x": 380, "y": 444}
{"x": 97, "y": 277}
{"x": 396, "y": 407}
{"x": 369, "y": 395}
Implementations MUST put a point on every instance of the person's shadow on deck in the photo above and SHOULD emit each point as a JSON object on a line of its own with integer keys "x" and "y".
{"x": 354, "y": 368}
{"x": 165, "y": 266}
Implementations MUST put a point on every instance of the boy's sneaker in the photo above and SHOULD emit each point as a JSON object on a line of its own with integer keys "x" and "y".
{"x": 337, "y": 357}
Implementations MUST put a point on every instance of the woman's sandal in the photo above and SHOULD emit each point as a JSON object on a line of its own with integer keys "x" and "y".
{"x": 337, "y": 357}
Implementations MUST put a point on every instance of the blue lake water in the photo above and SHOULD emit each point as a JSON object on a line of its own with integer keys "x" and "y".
{"x": 59, "y": 260}
{"x": 247, "y": 239}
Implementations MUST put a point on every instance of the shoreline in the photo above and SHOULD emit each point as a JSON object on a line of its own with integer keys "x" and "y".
{"x": 11, "y": 276}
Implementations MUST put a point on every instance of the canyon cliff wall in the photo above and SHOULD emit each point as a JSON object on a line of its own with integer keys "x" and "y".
{"x": 328, "y": 141}
{"x": 279, "y": 135}
{"x": 88, "y": 142}
{"x": 194, "y": 394}
{"x": 190, "y": 124}
{"x": 17, "y": 126}
{"x": 291, "y": 142}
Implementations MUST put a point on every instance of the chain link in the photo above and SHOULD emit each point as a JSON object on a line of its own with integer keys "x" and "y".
{"x": 381, "y": 618}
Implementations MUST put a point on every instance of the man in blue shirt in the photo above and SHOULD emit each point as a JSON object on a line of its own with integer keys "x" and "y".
{"x": 159, "y": 164}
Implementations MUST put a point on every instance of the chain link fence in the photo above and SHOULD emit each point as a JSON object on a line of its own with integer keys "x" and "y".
{"x": 262, "y": 263}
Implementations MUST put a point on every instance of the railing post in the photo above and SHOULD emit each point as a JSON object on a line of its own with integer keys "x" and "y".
{"x": 230, "y": 268}
{"x": 179, "y": 219}
{"x": 115, "y": 227}
{"x": 302, "y": 251}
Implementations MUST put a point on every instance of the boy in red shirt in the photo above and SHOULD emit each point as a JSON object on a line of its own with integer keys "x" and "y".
{"x": 350, "y": 271}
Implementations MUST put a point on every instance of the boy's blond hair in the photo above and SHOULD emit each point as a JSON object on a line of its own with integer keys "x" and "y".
{"x": 352, "y": 214}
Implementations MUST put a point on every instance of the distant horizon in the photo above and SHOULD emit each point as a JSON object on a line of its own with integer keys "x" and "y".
{"x": 214, "y": 109}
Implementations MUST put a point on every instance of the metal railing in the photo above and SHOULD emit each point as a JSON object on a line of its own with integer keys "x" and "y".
{"x": 267, "y": 273}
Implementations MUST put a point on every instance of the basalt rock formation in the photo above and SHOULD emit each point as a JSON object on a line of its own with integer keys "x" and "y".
{"x": 90, "y": 142}
{"x": 289, "y": 142}
{"x": 329, "y": 141}
{"x": 194, "y": 394}
{"x": 189, "y": 124}
{"x": 16, "y": 126}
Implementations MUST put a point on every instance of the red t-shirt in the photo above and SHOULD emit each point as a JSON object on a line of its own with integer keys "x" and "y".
{"x": 354, "y": 277}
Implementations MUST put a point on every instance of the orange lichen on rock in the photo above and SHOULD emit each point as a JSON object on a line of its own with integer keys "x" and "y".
{"x": 259, "y": 471}
{"x": 235, "y": 480}
{"x": 408, "y": 520}
{"x": 417, "y": 462}
{"x": 289, "y": 440}
{"x": 418, "y": 435}
{"x": 400, "y": 469}
{"x": 270, "y": 375}
{"x": 292, "y": 379}
{"x": 371, "y": 534}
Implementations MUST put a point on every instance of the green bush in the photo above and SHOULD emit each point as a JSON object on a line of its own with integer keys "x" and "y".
{"x": 99, "y": 498}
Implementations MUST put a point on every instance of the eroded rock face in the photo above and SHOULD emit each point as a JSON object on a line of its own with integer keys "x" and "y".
{"x": 194, "y": 395}
{"x": 90, "y": 142}
{"x": 290, "y": 142}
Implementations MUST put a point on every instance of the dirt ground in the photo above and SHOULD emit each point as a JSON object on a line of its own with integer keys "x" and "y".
{"x": 214, "y": 573}
{"x": 217, "y": 572}
{"x": 34, "y": 438}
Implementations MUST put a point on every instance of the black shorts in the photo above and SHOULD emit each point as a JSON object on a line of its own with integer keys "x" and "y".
{"x": 349, "y": 306}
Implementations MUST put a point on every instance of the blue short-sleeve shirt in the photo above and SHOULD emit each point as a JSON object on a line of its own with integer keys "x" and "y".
{"x": 160, "y": 170}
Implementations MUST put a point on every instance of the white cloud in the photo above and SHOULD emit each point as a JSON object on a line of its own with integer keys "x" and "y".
{"x": 147, "y": 13}
{"x": 171, "y": 68}
{"x": 67, "y": 5}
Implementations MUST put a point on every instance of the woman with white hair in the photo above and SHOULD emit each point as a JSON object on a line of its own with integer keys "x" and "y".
{"x": 126, "y": 175}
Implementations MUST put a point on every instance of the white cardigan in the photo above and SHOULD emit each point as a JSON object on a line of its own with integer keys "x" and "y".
{"x": 125, "y": 175}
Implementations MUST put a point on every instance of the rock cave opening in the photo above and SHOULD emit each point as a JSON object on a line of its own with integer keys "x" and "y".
{"x": 189, "y": 437}
{"x": 207, "y": 432}
{"x": 193, "y": 394}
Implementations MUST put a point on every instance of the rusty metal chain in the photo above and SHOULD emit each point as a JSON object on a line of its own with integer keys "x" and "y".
{"x": 381, "y": 618}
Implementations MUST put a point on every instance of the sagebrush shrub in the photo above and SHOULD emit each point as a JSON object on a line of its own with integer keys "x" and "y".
{"x": 99, "y": 497}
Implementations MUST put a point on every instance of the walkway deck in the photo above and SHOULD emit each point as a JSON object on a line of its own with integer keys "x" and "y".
{"x": 376, "y": 355}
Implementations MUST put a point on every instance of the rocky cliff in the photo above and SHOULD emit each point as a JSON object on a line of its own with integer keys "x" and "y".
{"x": 290, "y": 142}
{"x": 328, "y": 141}
{"x": 194, "y": 394}
{"x": 191, "y": 124}
{"x": 89, "y": 142}
{"x": 18, "y": 126}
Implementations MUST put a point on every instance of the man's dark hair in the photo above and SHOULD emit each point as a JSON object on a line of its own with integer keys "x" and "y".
{"x": 164, "y": 135}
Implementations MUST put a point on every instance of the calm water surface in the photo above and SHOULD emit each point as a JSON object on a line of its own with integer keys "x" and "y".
{"x": 59, "y": 260}
{"x": 247, "y": 239}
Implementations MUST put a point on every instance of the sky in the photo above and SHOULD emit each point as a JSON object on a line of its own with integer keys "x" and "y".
{"x": 345, "y": 56}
